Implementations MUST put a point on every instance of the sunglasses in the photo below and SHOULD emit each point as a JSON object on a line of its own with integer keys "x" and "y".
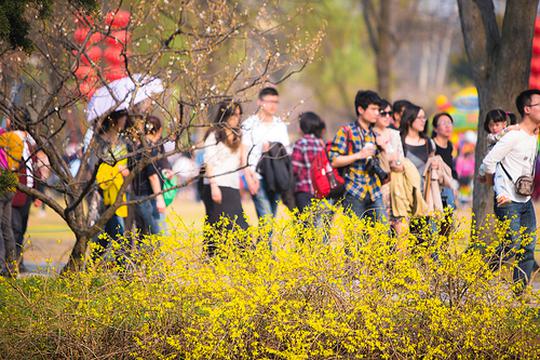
{"x": 387, "y": 113}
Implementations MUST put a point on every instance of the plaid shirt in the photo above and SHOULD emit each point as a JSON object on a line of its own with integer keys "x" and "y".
{"x": 304, "y": 151}
{"x": 358, "y": 182}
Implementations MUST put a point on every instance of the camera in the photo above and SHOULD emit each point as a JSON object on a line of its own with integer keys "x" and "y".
{"x": 373, "y": 167}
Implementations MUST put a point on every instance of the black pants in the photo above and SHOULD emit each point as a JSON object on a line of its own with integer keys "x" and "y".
{"x": 230, "y": 207}
{"x": 19, "y": 221}
{"x": 7, "y": 240}
{"x": 303, "y": 200}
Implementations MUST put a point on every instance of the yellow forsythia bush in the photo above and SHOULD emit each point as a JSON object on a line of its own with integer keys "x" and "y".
{"x": 346, "y": 290}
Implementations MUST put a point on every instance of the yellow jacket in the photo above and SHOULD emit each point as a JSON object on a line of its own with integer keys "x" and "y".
{"x": 110, "y": 180}
{"x": 405, "y": 192}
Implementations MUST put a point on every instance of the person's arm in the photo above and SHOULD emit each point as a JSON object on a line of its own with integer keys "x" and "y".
{"x": 210, "y": 156}
{"x": 251, "y": 178}
{"x": 498, "y": 153}
{"x": 156, "y": 189}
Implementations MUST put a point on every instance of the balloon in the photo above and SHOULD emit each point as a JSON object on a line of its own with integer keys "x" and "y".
{"x": 120, "y": 37}
{"x": 117, "y": 20}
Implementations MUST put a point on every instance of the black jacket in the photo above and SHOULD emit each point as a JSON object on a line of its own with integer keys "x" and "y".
{"x": 275, "y": 167}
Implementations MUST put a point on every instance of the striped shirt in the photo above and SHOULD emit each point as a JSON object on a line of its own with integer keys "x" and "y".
{"x": 358, "y": 182}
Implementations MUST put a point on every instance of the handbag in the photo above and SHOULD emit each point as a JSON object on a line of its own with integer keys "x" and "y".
{"x": 169, "y": 189}
{"x": 524, "y": 185}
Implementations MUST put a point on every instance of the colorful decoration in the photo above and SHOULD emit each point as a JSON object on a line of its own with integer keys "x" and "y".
{"x": 463, "y": 107}
{"x": 534, "y": 77}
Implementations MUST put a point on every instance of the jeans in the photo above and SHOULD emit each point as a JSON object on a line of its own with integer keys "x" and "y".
{"x": 374, "y": 210}
{"x": 447, "y": 196}
{"x": 7, "y": 239}
{"x": 520, "y": 215}
{"x": 147, "y": 217}
{"x": 265, "y": 201}
{"x": 320, "y": 214}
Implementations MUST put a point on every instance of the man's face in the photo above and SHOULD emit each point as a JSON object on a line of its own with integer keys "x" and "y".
{"x": 533, "y": 110}
{"x": 269, "y": 104}
{"x": 370, "y": 114}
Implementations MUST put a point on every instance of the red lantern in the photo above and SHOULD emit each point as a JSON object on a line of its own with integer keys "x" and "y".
{"x": 84, "y": 71}
{"x": 83, "y": 19}
{"x": 535, "y": 66}
{"x": 115, "y": 72}
{"x": 536, "y": 45}
{"x": 80, "y": 34}
{"x": 119, "y": 19}
{"x": 87, "y": 88}
{"x": 115, "y": 55}
{"x": 93, "y": 53}
{"x": 120, "y": 37}
{"x": 534, "y": 83}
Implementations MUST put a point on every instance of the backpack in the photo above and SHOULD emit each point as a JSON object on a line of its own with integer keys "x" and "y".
{"x": 326, "y": 181}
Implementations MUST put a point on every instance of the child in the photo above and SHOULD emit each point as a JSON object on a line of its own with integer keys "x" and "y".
{"x": 497, "y": 123}
{"x": 304, "y": 152}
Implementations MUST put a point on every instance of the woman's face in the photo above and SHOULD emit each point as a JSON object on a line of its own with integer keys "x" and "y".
{"x": 385, "y": 119}
{"x": 234, "y": 120}
{"x": 445, "y": 127}
{"x": 419, "y": 123}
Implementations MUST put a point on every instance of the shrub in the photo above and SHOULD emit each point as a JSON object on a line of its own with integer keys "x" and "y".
{"x": 364, "y": 295}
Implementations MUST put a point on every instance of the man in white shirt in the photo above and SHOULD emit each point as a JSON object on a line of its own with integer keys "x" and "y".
{"x": 259, "y": 131}
{"x": 513, "y": 156}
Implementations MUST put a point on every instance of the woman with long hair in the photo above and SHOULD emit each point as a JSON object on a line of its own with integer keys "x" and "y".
{"x": 417, "y": 147}
{"x": 224, "y": 157}
{"x": 389, "y": 140}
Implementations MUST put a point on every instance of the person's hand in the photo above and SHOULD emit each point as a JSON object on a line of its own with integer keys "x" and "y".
{"x": 160, "y": 204}
{"x": 435, "y": 165}
{"x": 482, "y": 179}
{"x": 366, "y": 152}
{"x": 168, "y": 173}
{"x": 216, "y": 193}
{"x": 38, "y": 203}
{"x": 253, "y": 184}
{"x": 123, "y": 170}
{"x": 503, "y": 199}
{"x": 265, "y": 146}
{"x": 396, "y": 168}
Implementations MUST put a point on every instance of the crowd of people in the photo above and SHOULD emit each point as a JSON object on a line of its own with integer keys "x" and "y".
{"x": 382, "y": 166}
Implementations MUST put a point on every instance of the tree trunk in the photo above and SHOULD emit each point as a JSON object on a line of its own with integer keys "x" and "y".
{"x": 76, "y": 258}
{"x": 384, "y": 55}
{"x": 501, "y": 64}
